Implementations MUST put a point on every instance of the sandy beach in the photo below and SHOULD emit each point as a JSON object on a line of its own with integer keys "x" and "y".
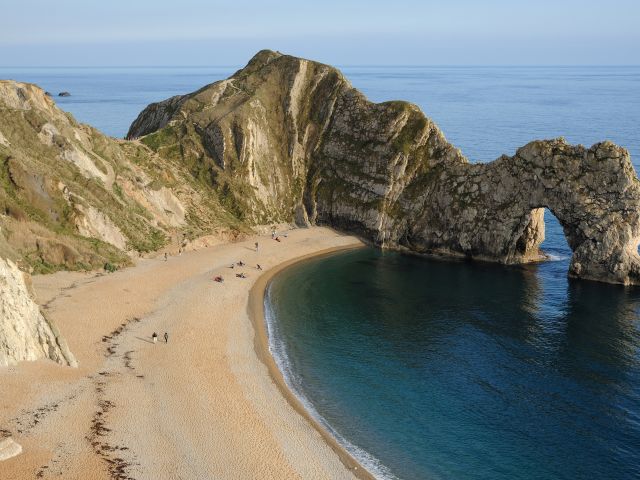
{"x": 207, "y": 404}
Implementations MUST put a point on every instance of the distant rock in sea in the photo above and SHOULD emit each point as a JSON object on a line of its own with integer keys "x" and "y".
{"x": 64, "y": 94}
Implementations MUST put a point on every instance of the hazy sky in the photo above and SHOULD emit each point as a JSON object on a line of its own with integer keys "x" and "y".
{"x": 341, "y": 32}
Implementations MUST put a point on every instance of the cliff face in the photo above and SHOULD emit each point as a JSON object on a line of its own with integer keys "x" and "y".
{"x": 289, "y": 139}
{"x": 24, "y": 333}
{"x": 72, "y": 198}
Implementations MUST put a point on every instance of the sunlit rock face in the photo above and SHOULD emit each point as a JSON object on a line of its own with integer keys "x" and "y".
{"x": 288, "y": 139}
{"x": 24, "y": 332}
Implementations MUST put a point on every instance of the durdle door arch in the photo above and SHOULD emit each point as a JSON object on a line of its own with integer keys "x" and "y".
{"x": 594, "y": 193}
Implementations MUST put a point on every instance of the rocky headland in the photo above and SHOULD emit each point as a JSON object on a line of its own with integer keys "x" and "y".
{"x": 290, "y": 139}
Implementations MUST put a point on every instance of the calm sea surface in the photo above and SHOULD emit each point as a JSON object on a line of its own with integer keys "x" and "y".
{"x": 448, "y": 370}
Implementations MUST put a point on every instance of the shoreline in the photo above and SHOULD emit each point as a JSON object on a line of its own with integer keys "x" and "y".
{"x": 207, "y": 404}
{"x": 255, "y": 311}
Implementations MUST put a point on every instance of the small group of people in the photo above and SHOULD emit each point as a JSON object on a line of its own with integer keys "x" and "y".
{"x": 240, "y": 263}
{"x": 155, "y": 337}
{"x": 220, "y": 279}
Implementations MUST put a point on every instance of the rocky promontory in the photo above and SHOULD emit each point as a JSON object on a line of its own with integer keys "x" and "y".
{"x": 290, "y": 139}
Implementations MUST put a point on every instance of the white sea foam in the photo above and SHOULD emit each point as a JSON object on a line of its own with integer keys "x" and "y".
{"x": 552, "y": 257}
{"x": 278, "y": 351}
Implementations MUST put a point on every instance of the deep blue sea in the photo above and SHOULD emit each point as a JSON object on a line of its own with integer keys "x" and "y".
{"x": 448, "y": 370}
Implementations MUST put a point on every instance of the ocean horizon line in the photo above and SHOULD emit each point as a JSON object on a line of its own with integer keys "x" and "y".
{"x": 479, "y": 65}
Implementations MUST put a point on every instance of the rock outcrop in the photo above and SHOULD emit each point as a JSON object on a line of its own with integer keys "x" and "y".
{"x": 9, "y": 449}
{"x": 290, "y": 139}
{"x": 25, "y": 334}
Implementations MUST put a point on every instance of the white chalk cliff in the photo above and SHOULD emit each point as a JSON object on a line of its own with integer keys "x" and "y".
{"x": 25, "y": 334}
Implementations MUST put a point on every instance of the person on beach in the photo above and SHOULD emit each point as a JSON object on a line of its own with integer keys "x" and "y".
{"x": 166, "y": 337}
{"x": 241, "y": 263}
{"x": 241, "y": 275}
{"x": 165, "y": 256}
{"x": 258, "y": 266}
{"x": 273, "y": 233}
{"x": 154, "y": 337}
{"x": 277, "y": 239}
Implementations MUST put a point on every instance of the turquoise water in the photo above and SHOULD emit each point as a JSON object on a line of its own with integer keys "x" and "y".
{"x": 463, "y": 371}
{"x": 446, "y": 369}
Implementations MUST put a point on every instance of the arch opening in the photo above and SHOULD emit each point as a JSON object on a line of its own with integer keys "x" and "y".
{"x": 555, "y": 245}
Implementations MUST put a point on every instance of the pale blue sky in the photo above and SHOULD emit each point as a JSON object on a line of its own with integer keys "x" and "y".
{"x": 340, "y": 32}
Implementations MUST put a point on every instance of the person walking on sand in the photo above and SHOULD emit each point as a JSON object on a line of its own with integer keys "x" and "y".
{"x": 258, "y": 266}
{"x": 155, "y": 337}
{"x": 165, "y": 256}
{"x": 256, "y": 246}
{"x": 166, "y": 337}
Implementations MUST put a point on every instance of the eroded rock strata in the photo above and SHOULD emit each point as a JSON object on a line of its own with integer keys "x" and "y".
{"x": 24, "y": 333}
{"x": 286, "y": 138}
